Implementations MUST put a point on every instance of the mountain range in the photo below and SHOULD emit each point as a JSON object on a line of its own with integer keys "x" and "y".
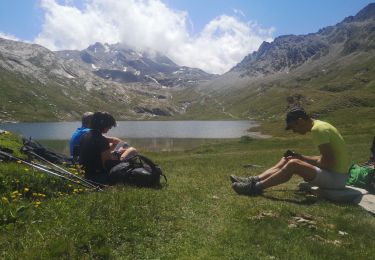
{"x": 328, "y": 72}
{"x": 39, "y": 84}
{"x": 124, "y": 65}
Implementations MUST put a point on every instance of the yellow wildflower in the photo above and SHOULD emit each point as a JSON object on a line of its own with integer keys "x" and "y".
{"x": 4, "y": 200}
{"x": 26, "y": 189}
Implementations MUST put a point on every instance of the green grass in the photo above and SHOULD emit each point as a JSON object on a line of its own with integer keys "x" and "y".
{"x": 197, "y": 215}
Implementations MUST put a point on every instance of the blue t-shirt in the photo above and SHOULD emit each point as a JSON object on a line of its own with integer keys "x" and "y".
{"x": 74, "y": 141}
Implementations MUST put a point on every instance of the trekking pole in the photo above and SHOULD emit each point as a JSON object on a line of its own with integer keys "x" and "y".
{"x": 11, "y": 157}
{"x": 62, "y": 170}
{"x": 70, "y": 176}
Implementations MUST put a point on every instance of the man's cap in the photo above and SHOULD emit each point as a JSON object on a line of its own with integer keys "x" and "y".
{"x": 293, "y": 115}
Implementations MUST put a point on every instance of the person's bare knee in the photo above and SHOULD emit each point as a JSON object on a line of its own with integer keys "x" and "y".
{"x": 293, "y": 164}
{"x": 128, "y": 152}
{"x": 301, "y": 168}
{"x": 290, "y": 168}
{"x": 280, "y": 164}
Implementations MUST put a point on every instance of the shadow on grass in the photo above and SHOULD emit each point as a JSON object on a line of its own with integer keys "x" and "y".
{"x": 298, "y": 202}
{"x": 305, "y": 201}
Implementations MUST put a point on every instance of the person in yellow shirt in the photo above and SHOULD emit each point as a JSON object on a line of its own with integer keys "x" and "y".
{"x": 328, "y": 170}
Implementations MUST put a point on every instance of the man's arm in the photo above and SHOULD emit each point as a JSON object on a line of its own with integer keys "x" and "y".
{"x": 313, "y": 160}
{"x": 325, "y": 161}
{"x": 113, "y": 141}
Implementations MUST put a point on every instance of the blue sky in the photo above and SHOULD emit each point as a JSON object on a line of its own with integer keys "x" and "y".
{"x": 287, "y": 16}
{"x": 210, "y": 34}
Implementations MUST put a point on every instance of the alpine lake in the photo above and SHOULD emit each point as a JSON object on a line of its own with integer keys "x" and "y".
{"x": 146, "y": 136}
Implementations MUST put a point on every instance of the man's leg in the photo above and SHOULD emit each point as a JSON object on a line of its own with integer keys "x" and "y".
{"x": 262, "y": 176}
{"x": 294, "y": 166}
{"x": 267, "y": 173}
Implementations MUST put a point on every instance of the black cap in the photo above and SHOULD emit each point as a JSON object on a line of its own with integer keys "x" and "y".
{"x": 293, "y": 115}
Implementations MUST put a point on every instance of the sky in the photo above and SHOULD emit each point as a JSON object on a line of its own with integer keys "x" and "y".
{"x": 213, "y": 35}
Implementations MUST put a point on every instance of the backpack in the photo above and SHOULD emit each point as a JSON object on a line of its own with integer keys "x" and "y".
{"x": 137, "y": 170}
{"x": 31, "y": 146}
{"x": 362, "y": 176}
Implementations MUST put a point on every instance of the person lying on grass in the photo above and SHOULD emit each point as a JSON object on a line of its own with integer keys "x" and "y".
{"x": 328, "y": 170}
{"x": 96, "y": 155}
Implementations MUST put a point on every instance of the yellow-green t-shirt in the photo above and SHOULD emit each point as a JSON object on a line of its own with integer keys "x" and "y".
{"x": 325, "y": 133}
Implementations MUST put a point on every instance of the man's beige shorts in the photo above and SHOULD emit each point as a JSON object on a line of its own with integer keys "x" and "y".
{"x": 329, "y": 180}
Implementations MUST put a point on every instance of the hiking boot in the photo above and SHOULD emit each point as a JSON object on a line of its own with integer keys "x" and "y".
{"x": 235, "y": 179}
{"x": 249, "y": 189}
{"x": 304, "y": 186}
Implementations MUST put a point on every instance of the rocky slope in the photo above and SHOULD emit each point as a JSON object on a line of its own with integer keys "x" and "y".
{"x": 121, "y": 64}
{"x": 286, "y": 53}
{"x": 36, "y": 84}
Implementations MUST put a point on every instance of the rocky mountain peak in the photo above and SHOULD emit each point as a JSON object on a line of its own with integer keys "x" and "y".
{"x": 366, "y": 13}
{"x": 288, "y": 52}
{"x": 96, "y": 47}
{"x": 118, "y": 62}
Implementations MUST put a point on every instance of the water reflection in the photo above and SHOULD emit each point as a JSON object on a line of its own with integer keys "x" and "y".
{"x": 144, "y": 135}
{"x": 142, "y": 144}
{"x": 138, "y": 129}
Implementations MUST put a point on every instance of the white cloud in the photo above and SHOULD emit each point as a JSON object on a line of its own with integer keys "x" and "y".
{"x": 145, "y": 25}
{"x": 8, "y": 36}
{"x": 238, "y": 11}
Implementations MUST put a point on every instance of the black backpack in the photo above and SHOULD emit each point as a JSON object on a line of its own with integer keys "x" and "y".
{"x": 137, "y": 170}
{"x": 31, "y": 146}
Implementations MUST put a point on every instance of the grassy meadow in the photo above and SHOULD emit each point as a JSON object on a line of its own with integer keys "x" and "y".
{"x": 196, "y": 215}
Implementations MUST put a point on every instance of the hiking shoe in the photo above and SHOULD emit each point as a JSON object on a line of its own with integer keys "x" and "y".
{"x": 304, "y": 186}
{"x": 235, "y": 178}
{"x": 246, "y": 188}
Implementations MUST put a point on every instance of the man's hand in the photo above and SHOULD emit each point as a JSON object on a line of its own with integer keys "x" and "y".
{"x": 290, "y": 153}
